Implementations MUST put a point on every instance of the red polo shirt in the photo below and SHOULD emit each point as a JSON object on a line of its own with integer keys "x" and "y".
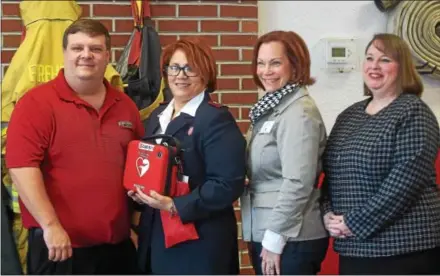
{"x": 81, "y": 153}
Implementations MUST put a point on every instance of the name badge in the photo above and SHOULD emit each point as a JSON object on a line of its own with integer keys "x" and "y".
{"x": 125, "y": 124}
{"x": 267, "y": 127}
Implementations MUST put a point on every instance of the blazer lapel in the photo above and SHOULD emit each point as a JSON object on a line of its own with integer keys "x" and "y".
{"x": 302, "y": 91}
{"x": 183, "y": 120}
{"x": 179, "y": 123}
{"x": 154, "y": 126}
{"x": 152, "y": 123}
{"x": 276, "y": 111}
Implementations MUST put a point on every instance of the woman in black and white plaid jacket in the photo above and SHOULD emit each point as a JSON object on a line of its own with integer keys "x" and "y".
{"x": 380, "y": 200}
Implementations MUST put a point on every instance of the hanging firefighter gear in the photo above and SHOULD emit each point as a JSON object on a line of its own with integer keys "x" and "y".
{"x": 10, "y": 261}
{"x": 139, "y": 64}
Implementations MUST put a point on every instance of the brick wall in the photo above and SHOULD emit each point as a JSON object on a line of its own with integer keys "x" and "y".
{"x": 230, "y": 27}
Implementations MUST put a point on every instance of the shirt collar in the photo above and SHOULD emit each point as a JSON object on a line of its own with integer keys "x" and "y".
{"x": 66, "y": 93}
{"x": 189, "y": 108}
{"x": 165, "y": 115}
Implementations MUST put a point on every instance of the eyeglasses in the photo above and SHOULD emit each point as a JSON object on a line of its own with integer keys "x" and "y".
{"x": 174, "y": 70}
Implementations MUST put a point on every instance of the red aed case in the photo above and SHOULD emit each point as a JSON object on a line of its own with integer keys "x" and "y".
{"x": 156, "y": 165}
{"x": 151, "y": 165}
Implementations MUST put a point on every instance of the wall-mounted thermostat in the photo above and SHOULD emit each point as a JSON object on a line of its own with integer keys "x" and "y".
{"x": 337, "y": 54}
{"x": 341, "y": 54}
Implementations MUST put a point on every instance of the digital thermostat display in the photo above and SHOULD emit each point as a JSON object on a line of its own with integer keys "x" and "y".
{"x": 338, "y": 52}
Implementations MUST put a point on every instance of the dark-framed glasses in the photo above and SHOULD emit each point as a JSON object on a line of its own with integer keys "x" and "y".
{"x": 174, "y": 70}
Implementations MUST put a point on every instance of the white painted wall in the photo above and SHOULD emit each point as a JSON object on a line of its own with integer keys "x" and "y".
{"x": 314, "y": 20}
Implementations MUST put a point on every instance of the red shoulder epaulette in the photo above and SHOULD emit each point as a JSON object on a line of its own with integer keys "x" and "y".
{"x": 215, "y": 104}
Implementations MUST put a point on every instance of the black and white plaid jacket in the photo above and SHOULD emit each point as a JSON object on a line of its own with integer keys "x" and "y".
{"x": 380, "y": 176}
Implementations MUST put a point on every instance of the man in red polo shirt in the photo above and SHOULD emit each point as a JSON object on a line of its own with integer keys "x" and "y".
{"x": 65, "y": 151}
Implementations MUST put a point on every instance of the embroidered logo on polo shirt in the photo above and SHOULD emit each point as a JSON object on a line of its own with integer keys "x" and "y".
{"x": 125, "y": 124}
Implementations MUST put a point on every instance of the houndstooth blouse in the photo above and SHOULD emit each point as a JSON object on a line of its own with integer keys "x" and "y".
{"x": 380, "y": 176}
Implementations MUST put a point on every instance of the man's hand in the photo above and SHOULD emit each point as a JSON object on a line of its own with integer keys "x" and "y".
{"x": 57, "y": 242}
{"x": 32, "y": 191}
{"x": 271, "y": 262}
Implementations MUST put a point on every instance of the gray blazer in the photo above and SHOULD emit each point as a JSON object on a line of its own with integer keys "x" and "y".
{"x": 284, "y": 163}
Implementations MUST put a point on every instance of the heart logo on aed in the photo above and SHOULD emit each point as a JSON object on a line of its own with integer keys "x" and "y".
{"x": 142, "y": 166}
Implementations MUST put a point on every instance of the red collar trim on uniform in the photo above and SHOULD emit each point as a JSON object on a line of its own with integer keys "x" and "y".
{"x": 66, "y": 93}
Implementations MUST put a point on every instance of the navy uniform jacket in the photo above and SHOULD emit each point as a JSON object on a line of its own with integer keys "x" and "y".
{"x": 214, "y": 160}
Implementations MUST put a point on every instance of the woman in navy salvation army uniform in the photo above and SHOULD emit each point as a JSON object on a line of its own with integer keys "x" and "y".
{"x": 214, "y": 160}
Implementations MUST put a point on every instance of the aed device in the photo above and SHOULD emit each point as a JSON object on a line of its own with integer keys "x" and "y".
{"x": 152, "y": 164}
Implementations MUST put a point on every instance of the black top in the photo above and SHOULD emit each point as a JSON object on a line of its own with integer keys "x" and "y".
{"x": 380, "y": 175}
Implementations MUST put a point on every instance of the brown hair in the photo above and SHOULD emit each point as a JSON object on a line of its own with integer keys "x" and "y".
{"x": 88, "y": 26}
{"x": 200, "y": 57}
{"x": 296, "y": 52}
{"x": 396, "y": 48}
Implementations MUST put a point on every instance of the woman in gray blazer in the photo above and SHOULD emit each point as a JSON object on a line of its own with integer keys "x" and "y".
{"x": 281, "y": 217}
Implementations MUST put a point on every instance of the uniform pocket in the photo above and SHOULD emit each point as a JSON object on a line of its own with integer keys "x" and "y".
{"x": 260, "y": 222}
{"x": 262, "y": 205}
{"x": 264, "y": 199}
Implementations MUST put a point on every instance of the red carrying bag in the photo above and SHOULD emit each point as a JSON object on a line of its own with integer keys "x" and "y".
{"x": 174, "y": 230}
{"x": 154, "y": 164}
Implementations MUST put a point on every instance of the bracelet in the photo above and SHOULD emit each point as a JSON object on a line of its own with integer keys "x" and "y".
{"x": 173, "y": 210}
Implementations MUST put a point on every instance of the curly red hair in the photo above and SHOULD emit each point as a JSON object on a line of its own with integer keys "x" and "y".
{"x": 199, "y": 56}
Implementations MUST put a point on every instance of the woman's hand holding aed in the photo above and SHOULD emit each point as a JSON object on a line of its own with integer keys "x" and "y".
{"x": 154, "y": 200}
